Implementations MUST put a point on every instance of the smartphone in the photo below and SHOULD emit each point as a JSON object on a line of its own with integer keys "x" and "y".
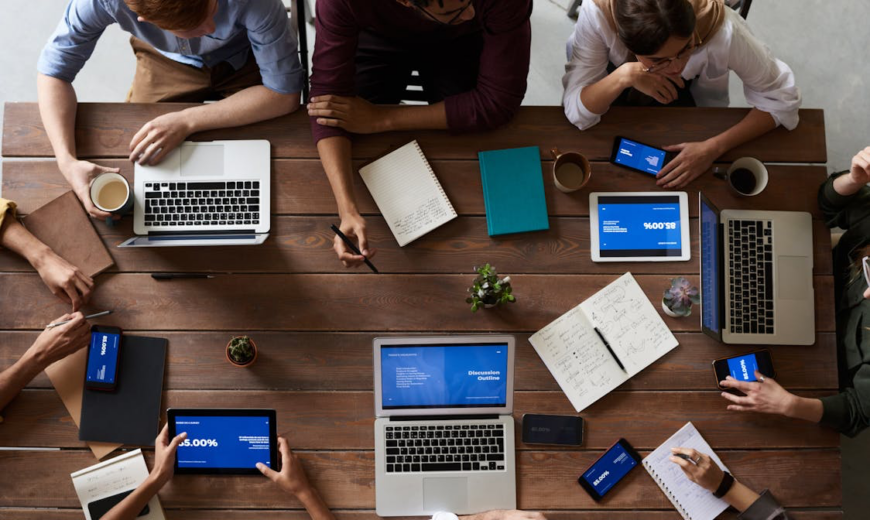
{"x": 609, "y": 469}
{"x": 104, "y": 359}
{"x": 553, "y": 429}
{"x": 638, "y": 156}
{"x": 742, "y": 368}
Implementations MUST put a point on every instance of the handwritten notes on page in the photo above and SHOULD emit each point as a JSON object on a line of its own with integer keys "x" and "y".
{"x": 579, "y": 360}
{"x": 123, "y": 473}
{"x": 408, "y": 193}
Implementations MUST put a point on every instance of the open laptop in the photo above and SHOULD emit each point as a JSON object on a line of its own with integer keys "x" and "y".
{"x": 204, "y": 194}
{"x": 757, "y": 276}
{"x": 444, "y": 436}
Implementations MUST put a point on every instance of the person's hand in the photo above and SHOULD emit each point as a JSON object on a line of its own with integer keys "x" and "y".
{"x": 693, "y": 160}
{"x": 512, "y": 515}
{"x": 658, "y": 86}
{"x": 164, "y": 456}
{"x": 292, "y": 477}
{"x": 353, "y": 114}
{"x": 860, "y": 172}
{"x": 79, "y": 175}
{"x": 867, "y": 294}
{"x": 766, "y": 397}
{"x": 64, "y": 280}
{"x": 703, "y": 472}
{"x": 353, "y": 226}
{"x": 158, "y": 137}
{"x": 58, "y": 342}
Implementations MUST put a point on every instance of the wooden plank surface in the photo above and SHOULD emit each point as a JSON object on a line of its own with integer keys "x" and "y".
{"x": 106, "y": 129}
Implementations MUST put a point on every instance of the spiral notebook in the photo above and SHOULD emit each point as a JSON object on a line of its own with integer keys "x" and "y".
{"x": 691, "y": 500}
{"x": 408, "y": 193}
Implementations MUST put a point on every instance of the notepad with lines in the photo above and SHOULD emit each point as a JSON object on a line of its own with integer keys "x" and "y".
{"x": 408, "y": 193}
{"x": 691, "y": 500}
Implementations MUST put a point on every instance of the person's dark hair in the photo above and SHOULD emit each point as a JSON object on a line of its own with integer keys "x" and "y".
{"x": 645, "y": 25}
{"x": 427, "y": 3}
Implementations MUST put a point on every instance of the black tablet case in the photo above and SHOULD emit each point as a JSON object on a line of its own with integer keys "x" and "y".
{"x": 131, "y": 414}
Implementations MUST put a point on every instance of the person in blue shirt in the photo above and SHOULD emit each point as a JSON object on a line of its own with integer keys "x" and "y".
{"x": 242, "y": 53}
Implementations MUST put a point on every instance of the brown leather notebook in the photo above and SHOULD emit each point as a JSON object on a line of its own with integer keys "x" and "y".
{"x": 63, "y": 225}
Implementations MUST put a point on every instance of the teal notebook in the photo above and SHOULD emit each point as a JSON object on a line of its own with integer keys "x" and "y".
{"x": 513, "y": 190}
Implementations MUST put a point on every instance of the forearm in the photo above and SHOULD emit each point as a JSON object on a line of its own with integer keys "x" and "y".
{"x": 402, "y": 117}
{"x": 598, "y": 97}
{"x": 16, "y": 238}
{"x": 57, "y": 107}
{"x": 804, "y": 408}
{"x": 315, "y": 505}
{"x": 130, "y": 507}
{"x": 845, "y": 186}
{"x": 16, "y": 377}
{"x": 335, "y": 157}
{"x": 755, "y": 124}
{"x": 251, "y": 105}
{"x": 740, "y": 497}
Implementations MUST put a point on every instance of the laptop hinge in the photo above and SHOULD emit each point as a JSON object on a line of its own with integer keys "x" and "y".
{"x": 203, "y": 232}
{"x": 443, "y": 417}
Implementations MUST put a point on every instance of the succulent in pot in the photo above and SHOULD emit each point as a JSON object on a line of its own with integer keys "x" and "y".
{"x": 488, "y": 290}
{"x": 241, "y": 351}
{"x": 679, "y": 297}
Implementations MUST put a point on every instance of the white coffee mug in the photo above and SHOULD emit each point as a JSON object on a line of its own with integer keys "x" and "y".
{"x": 124, "y": 201}
{"x": 743, "y": 184}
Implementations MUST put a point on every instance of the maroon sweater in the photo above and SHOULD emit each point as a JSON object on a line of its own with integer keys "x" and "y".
{"x": 504, "y": 60}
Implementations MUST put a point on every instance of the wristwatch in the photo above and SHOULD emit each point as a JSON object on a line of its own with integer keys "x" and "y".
{"x": 725, "y": 486}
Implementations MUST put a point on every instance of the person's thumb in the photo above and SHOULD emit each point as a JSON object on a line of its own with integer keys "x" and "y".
{"x": 867, "y": 294}
{"x": 107, "y": 169}
{"x": 267, "y": 471}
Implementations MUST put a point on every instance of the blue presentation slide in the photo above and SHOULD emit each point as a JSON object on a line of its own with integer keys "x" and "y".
{"x": 640, "y": 156}
{"x": 223, "y": 442}
{"x": 639, "y": 226}
{"x": 103, "y": 357}
{"x": 709, "y": 268}
{"x": 444, "y": 376}
{"x": 610, "y": 469}
{"x": 743, "y": 368}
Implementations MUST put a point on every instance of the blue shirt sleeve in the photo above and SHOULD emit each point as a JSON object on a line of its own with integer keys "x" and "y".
{"x": 275, "y": 48}
{"x": 74, "y": 40}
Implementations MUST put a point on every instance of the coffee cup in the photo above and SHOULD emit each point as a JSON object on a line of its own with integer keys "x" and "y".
{"x": 571, "y": 171}
{"x": 111, "y": 193}
{"x": 747, "y": 176}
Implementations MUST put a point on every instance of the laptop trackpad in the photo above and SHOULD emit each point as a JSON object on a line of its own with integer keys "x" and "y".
{"x": 791, "y": 280}
{"x": 206, "y": 160}
{"x": 445, "y": 494}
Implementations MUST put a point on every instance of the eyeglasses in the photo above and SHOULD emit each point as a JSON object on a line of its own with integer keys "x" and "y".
{"x": 867, "y": 269}
{"x": 663, "y": 63}
{"x": 438, "y": 20}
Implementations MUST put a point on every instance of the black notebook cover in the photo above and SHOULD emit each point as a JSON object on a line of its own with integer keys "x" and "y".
{"x": 131, "y": 414}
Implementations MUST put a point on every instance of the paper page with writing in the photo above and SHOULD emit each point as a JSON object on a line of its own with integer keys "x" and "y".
{"x": 691, "y": 500}
{"x": 630, "y": 323}
{"x": 123, "y": 473}
{"x": 408, "y": 193}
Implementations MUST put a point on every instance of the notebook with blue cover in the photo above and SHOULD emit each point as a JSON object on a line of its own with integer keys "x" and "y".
{"x": 513, "y": 190}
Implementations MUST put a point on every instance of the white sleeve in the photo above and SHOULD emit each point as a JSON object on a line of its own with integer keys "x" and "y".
{"x": 587, "y": 64}
{"x": 768, "y": 83}
{"x": 445, "y": 516}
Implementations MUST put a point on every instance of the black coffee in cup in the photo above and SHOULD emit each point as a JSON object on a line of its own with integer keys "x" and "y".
{"x": 743, "y": 180}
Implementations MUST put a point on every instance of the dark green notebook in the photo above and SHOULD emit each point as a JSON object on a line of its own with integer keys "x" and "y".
{"x": 513, "y": 190}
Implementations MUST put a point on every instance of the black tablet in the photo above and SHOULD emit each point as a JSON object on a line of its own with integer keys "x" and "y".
{"x": 224, "y": 441}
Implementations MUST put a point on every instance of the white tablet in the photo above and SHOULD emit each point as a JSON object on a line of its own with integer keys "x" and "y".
{"x": 639, "y": 227}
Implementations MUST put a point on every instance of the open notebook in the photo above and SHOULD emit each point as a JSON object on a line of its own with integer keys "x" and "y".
{"x": 577, "y": 357}
{"x": 408, "y": 193}
{"x": 691, "y": 500}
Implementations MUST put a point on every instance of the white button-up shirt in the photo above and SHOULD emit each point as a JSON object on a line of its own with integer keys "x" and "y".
{"x": 768, "y": 83}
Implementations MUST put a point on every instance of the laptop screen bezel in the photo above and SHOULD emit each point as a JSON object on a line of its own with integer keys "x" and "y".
{"x": 507, "y": 340}
{"x": 702, "y": 200}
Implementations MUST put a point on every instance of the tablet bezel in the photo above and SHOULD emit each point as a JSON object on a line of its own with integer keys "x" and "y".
{"x": 685, "y": 242}
{"x": 173, "y": 413}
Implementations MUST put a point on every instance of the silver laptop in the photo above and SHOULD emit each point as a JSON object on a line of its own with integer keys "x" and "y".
{"x": 757, "y": 276}
{"x": 204, "y": 194}
{"x": 444, "y": 436}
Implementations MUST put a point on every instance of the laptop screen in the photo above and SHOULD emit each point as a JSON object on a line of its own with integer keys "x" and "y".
{"x": 444, "y": 376}
{"x": 709, "y": 267}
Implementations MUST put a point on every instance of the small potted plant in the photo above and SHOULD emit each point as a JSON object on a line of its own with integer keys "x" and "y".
{"x": 679, "y": 297}
{"x": 241, "y": 351}
{"x": 488, "y": 290}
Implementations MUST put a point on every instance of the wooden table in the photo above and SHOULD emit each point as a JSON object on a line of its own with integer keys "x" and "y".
{"x": 314, "y": 321}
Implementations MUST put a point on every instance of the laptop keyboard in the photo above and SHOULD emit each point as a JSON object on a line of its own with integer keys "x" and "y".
{"x": 751, "y": 276}
{"x": 179, "y": 204}
{"x": 458, "y": 447}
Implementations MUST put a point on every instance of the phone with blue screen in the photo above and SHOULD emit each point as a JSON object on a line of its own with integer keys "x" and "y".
{"x": 104, "y": 359}
{"x": 742, "y": 368}
{"x": 638, "y": 156}
{"x": 600, "y": 478}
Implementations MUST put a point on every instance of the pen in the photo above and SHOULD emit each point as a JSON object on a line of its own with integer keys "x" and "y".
{"x": 173, "y": 276}
{"x": 612, "y": 353}
{"x": 685, "y": 457}
{"x": 64, "y": 322}
{"x": 352, "y": 247}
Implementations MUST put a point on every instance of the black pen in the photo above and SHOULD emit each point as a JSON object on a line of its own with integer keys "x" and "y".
{"x": 612, "y": 353}
{"x": 173, "y": 276}
{"x": 685, "y": 457}
{"x": 353, "y": 248}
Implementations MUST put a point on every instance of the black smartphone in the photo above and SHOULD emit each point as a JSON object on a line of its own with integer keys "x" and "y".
{"x": 609, "y": 469}
{"x": 99, "y": 508}
{"x": 742, "y": 368}
{"x": 552, "y": 429}
{"x": 638, "y": 156}
{"x": 104, "y": 359}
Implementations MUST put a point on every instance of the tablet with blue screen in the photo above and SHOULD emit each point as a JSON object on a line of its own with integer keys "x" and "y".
{"x": 223, "y": 441}
{"x": 639, "y": 227}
